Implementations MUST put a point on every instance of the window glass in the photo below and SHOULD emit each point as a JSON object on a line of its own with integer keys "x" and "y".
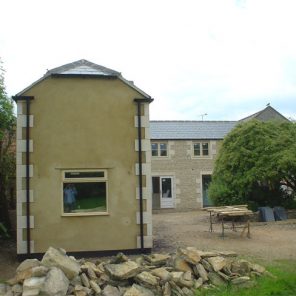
{"x": 163, "y": 149}
{"x": 196, "y": 148}
{"x": 84, "y": 197}
{"x": 154, "y": 149}
{"x": 205, "y": 148}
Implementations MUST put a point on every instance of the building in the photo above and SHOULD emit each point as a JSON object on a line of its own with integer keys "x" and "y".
{"x": 82, "y": 173}
{"x": 183, "y": 156}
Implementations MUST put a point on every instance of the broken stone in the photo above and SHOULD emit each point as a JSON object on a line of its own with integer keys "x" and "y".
{"x": 217, "y": 262}
{"x": 119, "y": 258}
{"x": 241, "y": 267}
{"x": 157, "y": 259}
{"x": 39, "y": 271}
{"x": 28, "y": 263}
{"x": 162, "y": 273}
{"x": 123, "y": 270}
{"x": 57, "y": 258}
{"x": 240, "y": 280}
{"x": 199, "y": 270}
{"x": 84, "y": 280}
{"x": 110, "y": 291}
{"x": 147, "y": 279}
{"x": 176, "y": 275}
{"x": 95, "y": 286}
{"x": 223, "y": 276}
{"x": 198, "y": 283}
{"x": 32, "y": 286}
{"x": 55, "y": 284}
{"x": 215, "y": 279}
{"x": 188, "y": 292}
{"x": 257, "y": 267}
{"x": 137, "y": 290}
{"x": 76, "y": 281}
{"x": 190, "y": 255}
{"x": 227, "y": 254}
{"x": 181, "y": 265}
{"x": 17, "y": 289}
{"x": 206, "y": 254}
{"x": 166, "y": 289}
{"x": 206, "y": 265}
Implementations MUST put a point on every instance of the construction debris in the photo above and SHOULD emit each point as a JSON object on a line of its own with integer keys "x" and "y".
{"x": 177, "y": 274}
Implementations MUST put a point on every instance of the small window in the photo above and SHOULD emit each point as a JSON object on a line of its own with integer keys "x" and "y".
{"x": 159, "y": 149}
{"x": 201, "y": 149}
{"x": 84, "y": 192}
{"x": 154, "y": 149}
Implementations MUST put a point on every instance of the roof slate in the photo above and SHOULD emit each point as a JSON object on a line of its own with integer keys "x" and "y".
{"x": 195, "y": 130}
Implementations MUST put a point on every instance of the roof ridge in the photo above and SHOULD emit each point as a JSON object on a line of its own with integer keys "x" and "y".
{"x": 194, "y": 121}
{"x": 81, "y": 62}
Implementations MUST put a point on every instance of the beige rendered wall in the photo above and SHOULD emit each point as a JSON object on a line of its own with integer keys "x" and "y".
{"x": 186, "y": 170}
{"x": 80, "y": 123}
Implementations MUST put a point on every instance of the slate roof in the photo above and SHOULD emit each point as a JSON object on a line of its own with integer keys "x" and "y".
{"x": 86, "y": 69}
{"x": 190, "y": 130}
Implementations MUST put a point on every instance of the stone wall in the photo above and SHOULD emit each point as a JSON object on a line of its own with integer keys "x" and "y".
{"x": 186, "y": 170}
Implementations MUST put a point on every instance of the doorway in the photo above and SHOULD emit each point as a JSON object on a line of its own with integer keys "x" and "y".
{"x": 206, "y": 180}
{"x": 162, "y": 192}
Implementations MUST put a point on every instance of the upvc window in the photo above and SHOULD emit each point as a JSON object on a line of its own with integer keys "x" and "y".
{"x": 85, "y": 191}
{"x": 159, "y": 149}
{"x": 201, "y": 149}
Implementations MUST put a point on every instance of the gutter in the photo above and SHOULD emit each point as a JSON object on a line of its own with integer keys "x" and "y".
{"x": 27, "y": 99}
{"x": 139, "y": 102}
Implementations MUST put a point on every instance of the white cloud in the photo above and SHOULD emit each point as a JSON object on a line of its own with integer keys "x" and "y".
{"x": 224, "y": 58}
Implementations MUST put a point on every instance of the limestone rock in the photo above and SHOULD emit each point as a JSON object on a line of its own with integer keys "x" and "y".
{"x": 84, "y": 280}
{"x": 198, "y": 283}
{"x": 217, "y": 262}
{"x": 146, "y": 279}
{"x": 119, "y": 258}
{"x": 28, "y": 263}
{"x": 241, "y": 267}
{"x": 157, "y": 259}
{"x": 215, "y": 279}
{"x": 199, "y": 270}
{"x": 57, "y": 258}
{"x": 56, "y": 283}
{"x": 95, "y": 286}
{"x": 181, "y": 265}
{"x": 17, "y": 289}
{"x": 240, "y": 280}
{"x": 186, "y": 291}
{"x": 110, "y": 291}
{"x": 39, "y": 271}
{"x": 162, "y": 273}
{"x": 227, "y": 254}
{"x": 123, "y": 270}
{"x": 176, "y": 275}
{"x": 190, "y": 255}
{"x": 206, "y": 265}
{"x": 32, "y": 286}
{"x": 137, "y": 290}
{"x": 166, "y": 289}
{"x": 257, "y": 267}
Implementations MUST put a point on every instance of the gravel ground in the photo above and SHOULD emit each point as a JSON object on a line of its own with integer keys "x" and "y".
{"x": 269, "y": 241}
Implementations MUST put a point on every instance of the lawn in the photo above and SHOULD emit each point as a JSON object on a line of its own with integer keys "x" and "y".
{"x": 283, "y": 285}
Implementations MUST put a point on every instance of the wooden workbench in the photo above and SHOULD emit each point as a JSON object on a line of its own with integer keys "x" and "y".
{"x": 230, "y": 212}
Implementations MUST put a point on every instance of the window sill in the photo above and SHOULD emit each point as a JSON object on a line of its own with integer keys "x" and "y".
{"x": 85, "y": 214}
{"x": 202, "y": 157}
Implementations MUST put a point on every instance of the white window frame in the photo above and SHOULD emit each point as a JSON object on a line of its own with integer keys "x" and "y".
{"x": 84, "y": 180}
{"x": 159, "y": 150}
{"x": 201, "y": 150}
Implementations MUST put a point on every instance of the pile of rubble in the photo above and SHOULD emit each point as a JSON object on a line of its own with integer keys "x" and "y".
{"x": 176, "y": 274}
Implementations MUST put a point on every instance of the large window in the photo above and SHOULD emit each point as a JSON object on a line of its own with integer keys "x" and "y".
{"x": 85, "y": 191}
{"x": 159, "y": 149}
{"x": 201, "y": 149}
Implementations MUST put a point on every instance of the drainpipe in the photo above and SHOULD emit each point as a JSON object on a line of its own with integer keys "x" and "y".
{"x": 139, "y": 102}
{"x": 27, "y": 99}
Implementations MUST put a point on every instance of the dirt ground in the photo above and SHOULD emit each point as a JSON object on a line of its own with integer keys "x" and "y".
{"x": 269, "y": 241}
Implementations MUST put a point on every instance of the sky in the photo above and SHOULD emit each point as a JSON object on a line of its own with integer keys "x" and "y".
{"x": 224, "y": 58}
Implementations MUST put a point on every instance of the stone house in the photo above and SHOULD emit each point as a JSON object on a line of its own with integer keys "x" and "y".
{"x": 83, "y": 168}
{"x": 183, "y": 156}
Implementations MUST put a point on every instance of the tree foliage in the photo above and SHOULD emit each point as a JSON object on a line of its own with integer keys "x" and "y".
{"x": 256, "y": 163}
{"x": 7, "y": 153}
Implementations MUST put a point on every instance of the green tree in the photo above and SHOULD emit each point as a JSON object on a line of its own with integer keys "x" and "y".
{"x": 256, "y": 162}
{"x": 7, "y": 152}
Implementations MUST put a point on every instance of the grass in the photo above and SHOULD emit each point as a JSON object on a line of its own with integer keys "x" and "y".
{"x": 283, "y": 285}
